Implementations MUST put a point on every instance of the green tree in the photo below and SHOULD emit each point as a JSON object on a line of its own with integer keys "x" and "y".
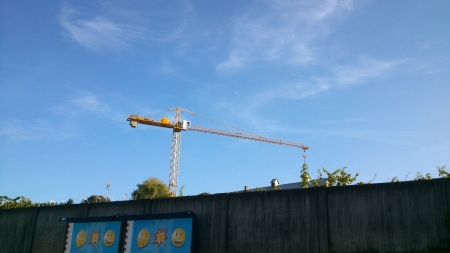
{"x": 304, "y": 175}
{"x": 420, "y": 177}
{"x": 318, "y": 182}
{"x": 339, "y": 177}
{"x": 182, "y": 190}
{"x": 95, "y": 199}
{"x": 259, "y": 189}
{"x": 18, "y": 202}
{"x": 395, "y": 180}
{"x": 151, "y": 188}
{"x": 370, "y": 182}
{"x": 442, "y": 172}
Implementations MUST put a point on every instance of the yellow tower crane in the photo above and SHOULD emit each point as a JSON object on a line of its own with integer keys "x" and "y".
{"x": 179, "y": 125}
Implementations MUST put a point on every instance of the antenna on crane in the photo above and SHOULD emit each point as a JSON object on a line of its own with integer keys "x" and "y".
{"x": 108, "y": 186}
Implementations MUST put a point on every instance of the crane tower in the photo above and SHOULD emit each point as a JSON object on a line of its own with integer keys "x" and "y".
{"x": 179, "y": 125}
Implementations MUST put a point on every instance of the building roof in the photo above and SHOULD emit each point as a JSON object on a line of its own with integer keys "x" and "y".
{"x": 275, "y": 183}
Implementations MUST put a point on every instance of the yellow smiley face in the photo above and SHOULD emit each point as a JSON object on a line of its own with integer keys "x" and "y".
{"x": 178, "y": 237}
{"x": 81, "y": 238}
{"x": 143, "y": 238}
{"x": 109, "y": 238}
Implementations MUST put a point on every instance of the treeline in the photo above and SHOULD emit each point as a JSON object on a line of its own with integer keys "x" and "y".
{"x": 19, "y": 202}
{"x": 155, "y": 188}
{"x": 22, "y": 202}
{"x": 340, "y": 177}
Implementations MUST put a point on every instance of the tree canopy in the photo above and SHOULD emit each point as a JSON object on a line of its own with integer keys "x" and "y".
{"x": 304, "y": 175}
{"x": 151, "y": 188}
{"x": 22, "y": 202}
{"x": 95, "y": 199}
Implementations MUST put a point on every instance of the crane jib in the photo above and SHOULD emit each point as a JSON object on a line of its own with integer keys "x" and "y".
{"x": 248, "y": 136}
{"x": 179, "y": 125}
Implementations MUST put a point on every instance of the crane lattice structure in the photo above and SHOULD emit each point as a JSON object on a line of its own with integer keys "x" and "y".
{"x": 179, "y": 125}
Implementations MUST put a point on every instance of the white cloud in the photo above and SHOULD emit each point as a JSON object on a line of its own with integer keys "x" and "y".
{"x": 282, "y": 31}
{"x": 116, "y": 29}
{"x": 99, "y": 33}
{"x": 365, "y": 69}
{"x": 327, "y": 8}
{"x": 89, "y": 102}
{"x": 36, "y": 129}
{"x": 85, "y": 103}
{"x": 292, "y": 92}
{"x": 61, "y": 121}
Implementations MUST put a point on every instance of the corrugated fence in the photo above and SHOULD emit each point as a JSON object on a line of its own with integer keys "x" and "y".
{"x": 394, "y": 217}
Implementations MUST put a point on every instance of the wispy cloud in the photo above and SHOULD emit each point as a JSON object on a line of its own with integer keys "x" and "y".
{"x": 283, "y": 31}
{"x": 292, "y": 92}
{"x": 365, "y": 69}
{"x": 61, "y": 121}
{"x": 343, "y": 121}
{"x": 380, "y": 136}
{"x": 323, "y": 9}
{"x": 86, "y": 103}
{"x": 20, "y": 130}
{"x": 99, "y": 33}
{"x": 116, "y": 29}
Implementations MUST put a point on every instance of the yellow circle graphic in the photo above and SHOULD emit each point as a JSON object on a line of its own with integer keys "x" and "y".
{"x": 143, "y": 238}
{"x": 178, "y": 237}
{"x": 81, "y": 238}
{"x": 109, "y": 238}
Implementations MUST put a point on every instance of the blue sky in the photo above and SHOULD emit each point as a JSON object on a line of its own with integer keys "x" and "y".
{"x": 365, "y": 84}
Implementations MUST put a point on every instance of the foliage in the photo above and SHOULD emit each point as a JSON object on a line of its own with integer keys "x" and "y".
{"x": 442, "y": 172}
{"x": 370, "y": 182}
{"x": 182, "y": 190}
{"x": 318, "y": 182}
{"x": 304, "y": 175}
{"x": 19, "y": 202}
{"x": 22, "y": 202}
{"x": 428, "y": 176}
{"x": 95, "y": 199}
{"x": 258, "y": 189}
{"x": 421, "y": 177}
{"x": 338, "y": 177}
{"x": 151, "y": 188}
{"x": 395, "y": 180}
{"x": 204, "y": 193}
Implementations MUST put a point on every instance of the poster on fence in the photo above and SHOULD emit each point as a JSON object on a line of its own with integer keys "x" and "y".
{"x": 93, "y": 237}
{"x": 154, "y": 233}
{"x": 158, "y": 235}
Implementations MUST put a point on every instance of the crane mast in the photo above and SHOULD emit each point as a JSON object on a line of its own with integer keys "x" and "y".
{"x": 175, "y": 155}
{"x": 179, "y": 125}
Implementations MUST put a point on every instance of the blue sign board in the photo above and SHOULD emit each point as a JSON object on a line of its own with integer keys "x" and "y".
{"x": 154, "y": 233}
{"x": 158, "y": 235}
{"x": 93, "y": 237}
